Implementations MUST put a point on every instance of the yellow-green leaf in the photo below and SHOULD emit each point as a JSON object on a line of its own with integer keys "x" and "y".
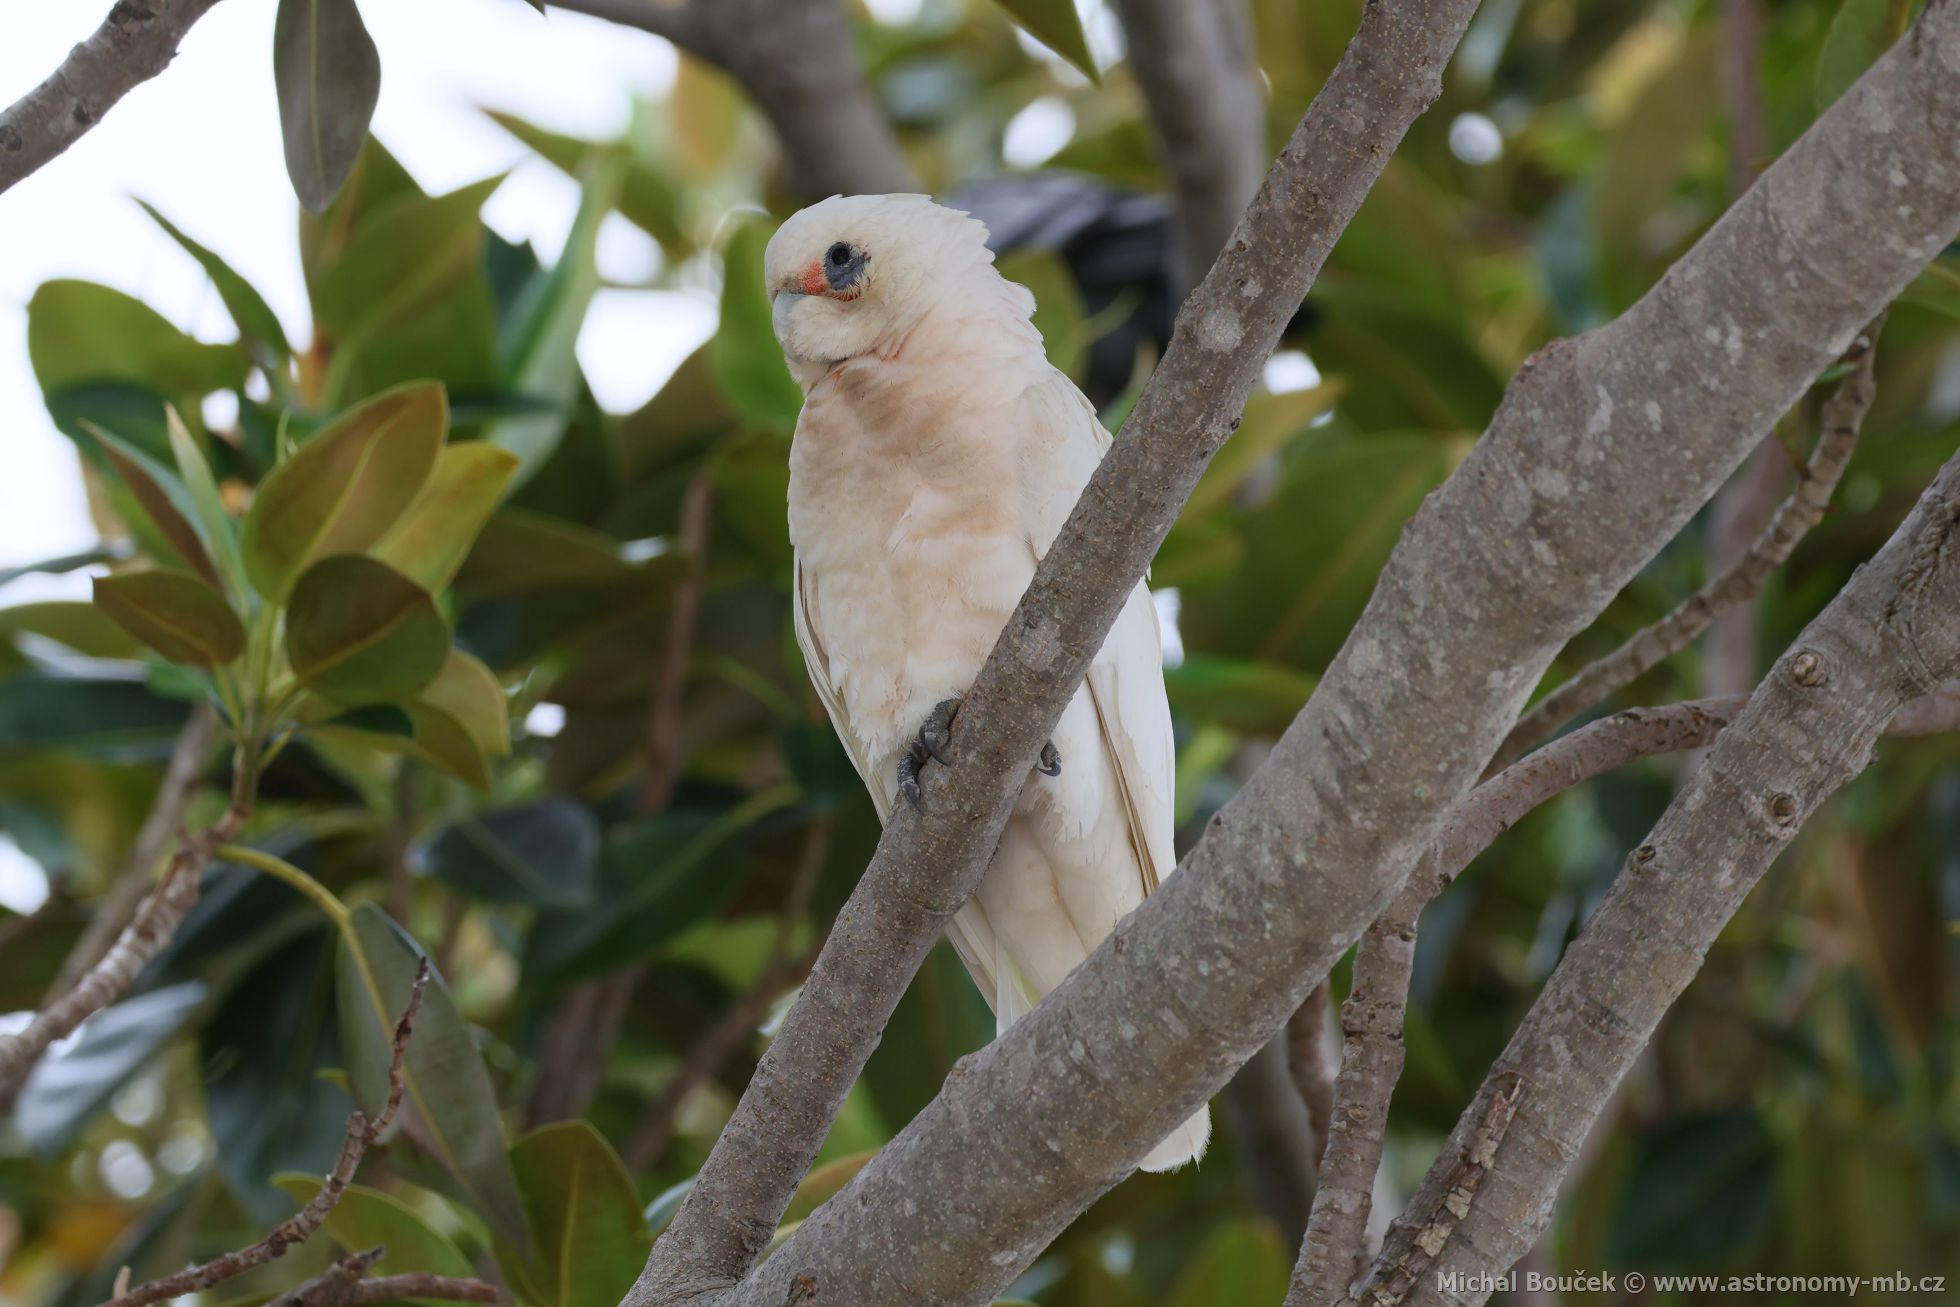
{"x": 747, "y": 360}
{"x": 346, "y": 487}
{"x": 431, "y": 540}
{"x": 367, "y": 1218}
{"x": 181, "y": 616}
{"x": 357, "y": 631}
{"x": 824, "y": 1183}
{"x": 591, "y": 1236}
{"x": 1057, "y": 25}
{"x": 468, "y": 693}
{"x": 146, "y": 487}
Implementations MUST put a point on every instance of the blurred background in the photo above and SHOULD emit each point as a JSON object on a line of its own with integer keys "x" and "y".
{"x": 562, "y": 220}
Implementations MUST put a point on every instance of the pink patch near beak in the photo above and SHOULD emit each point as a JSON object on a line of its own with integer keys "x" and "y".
{"x": 814, "y": 282}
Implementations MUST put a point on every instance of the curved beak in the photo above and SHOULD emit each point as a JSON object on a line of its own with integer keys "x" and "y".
{"x": 782, "y": 304}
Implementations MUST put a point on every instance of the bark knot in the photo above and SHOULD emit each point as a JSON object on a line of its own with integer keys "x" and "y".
{"x": 1807, "y": 669}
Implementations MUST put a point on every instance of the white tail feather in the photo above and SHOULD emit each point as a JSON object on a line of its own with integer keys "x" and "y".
{"x": 1184, "y": 1144}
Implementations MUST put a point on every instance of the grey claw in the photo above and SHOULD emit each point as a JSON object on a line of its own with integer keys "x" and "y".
{"x": 1050, "y": 763}
{"x": 936, "y": 732}
{"x": 909, "y": 764}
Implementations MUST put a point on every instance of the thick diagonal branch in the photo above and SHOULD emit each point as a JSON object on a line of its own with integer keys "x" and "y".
{"x": 1602, "y": 450}
{"x": 1842, "y": 417}
{"x": 928, "y": 862}
{"x": 1891, "y": 635}
{"x": 135, "y": 42}
{"x": 795, "y": 59}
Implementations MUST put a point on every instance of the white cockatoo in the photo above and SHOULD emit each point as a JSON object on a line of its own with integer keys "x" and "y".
{"x": 936, "y": 458}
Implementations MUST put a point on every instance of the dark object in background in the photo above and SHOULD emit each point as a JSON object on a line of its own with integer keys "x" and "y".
{"x": 1114, "y": 243}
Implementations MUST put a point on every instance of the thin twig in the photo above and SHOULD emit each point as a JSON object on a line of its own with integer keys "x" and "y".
{"x": 344, "y": 1284}
{"x": 676, "y": 22}
{"x": 1306, "y": 1059}
{"x": 663, "y": 717}
{"x": 654, "y": 1133}
{"x": 135, "y": 42}
{"x": 1842, "y": 416}
{"x": 303, "y": 1224}
{"x": 153, "y": 927}
{"x": 160, "y": 827}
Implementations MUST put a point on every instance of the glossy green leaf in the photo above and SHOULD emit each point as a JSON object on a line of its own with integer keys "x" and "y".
{"x": 146, "y": 484}
{"x": 216, "y": 526}
{"x": 519, "y": 551}
{"x": 647, "y": 199}
{"x": 431, "y": 540}
{"x": 1058, "y": 311}
{"x": 591, "y": 1236}
{"x": 346, "y": 488}
{"x": 1239, "y": 1262}
{"x": 371, "y": 1218}
{"x": 179, "y": 615}
{"x": 541, "y": 360}
{"x": 1861, "y": 31}
{"x": 747, "y": 360}
{"x": 329, "y": 76}
{"x": 79, "y": 332}
{"x": 100, "y": 717}
{"x": 403, "y": 256}
{"x": 257, "y": 324}
{"x": 1699, "y": 1194}
{"x": 1254, "y": 697}
{"x": 358, "y": 631}
{"x": 442, "y": 741}
{"x": 468, "y": 692}
{"x": 1057, "y": 25}
{"x": 447, "y": 1091}
{"x": 1269, "y": 423}
{"x": 77, "y": 625}
{"x": 542, "y": 854}
{"x": 74, "y": 1081}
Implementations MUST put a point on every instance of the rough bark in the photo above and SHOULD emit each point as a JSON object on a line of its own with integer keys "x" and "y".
{"x": 1892, "y": 634}
{"x": 1602, "y": 449}
{"x": 1193, "y": 59}
{"x": 928, "y": 862}
{"x": 794, "y": 57}
{"x": 136, "y": 41}
{"x": 1736, "y": 584}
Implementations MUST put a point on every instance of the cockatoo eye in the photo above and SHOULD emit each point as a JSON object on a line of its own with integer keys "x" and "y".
{"x": 843, "y": 265}
{"x": 839, "y": 255}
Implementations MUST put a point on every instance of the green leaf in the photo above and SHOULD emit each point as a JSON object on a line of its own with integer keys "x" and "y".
{"x": 646, "y": 198}
{"x": 404, "y": 256}
{"x": 1245, "y": 695}
{"x": 1861, "y": 31}
{"x": 540, "y": 360}
{"x": 1700, "y": 1192}
{"x": 369, "y": 1218}
{"x": 358, "y": 631}
{"x": 468, "y": 692}
{"x": 1269, "y": 424}
{"x": 1239, "y": 1262}
{"x": 80, "y": 332}
{"x": 447, "y": 1092}
{"x": 80, "y": 626}
{"x": 179, "y": 615}
{"x": 329, "y": 77}
{"x": 219, "y": 531}
{"x": 147, "y": 485}
{"x": 102, "y": 717}
{"x": 434, "y": 536}
{"x": 748, "y": 363}
{"x": 1058, "y": 310}
{"x": 345, "y": 488}
{"x": 520, "y": 551}
{"x": 441, "y": 741}
{"x": 592, "y": 1239}
{"x": 543, "y": 854}
{"x": 257, "y": 324}
{"x": 1057, "y": 25}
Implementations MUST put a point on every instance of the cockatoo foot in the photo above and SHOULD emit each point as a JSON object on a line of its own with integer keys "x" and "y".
{"x": 935, "y": 738}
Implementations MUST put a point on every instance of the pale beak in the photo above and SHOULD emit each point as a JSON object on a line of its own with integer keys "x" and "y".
{"x": 782, "y": 304}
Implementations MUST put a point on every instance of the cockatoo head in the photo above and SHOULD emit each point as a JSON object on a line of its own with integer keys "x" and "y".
{"x": 854, "y": 274}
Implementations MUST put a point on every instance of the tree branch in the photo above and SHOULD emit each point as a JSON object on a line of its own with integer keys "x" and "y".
{"x": 135, "y": 42}
{"x": 928, "y": 863}
{"x": 154, "y": 926}
{"x": 1374, "y": 1014}
{"x": 1193, "y": 59}
{"x": 305, "y": 1223}
{"x": 344, "y": 1285}
{"x": 1893, "y": 633}
{"x": 795, "y": 59}
{"x": 164, "y": 823}
{"x": 1554, "y": 511}
{"x": 1842, "y": 417}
